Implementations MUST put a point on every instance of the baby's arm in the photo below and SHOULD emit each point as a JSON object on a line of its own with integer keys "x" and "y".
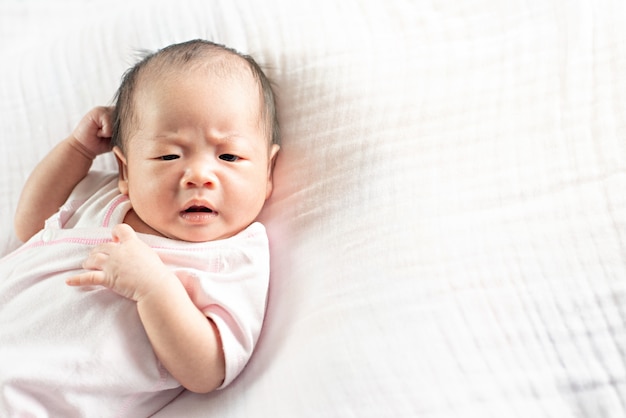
{"x": 54, "y": 178}
{"x": 186, "y": 342}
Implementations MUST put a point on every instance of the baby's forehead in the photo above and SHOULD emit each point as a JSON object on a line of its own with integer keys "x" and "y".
{"x": 222, "y": 65}
{"x": 157, "y": 101}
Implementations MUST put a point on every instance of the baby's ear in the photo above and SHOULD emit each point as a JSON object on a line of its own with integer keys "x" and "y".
{"x": 122, "y": 182}
{"x": 270, "y": 170}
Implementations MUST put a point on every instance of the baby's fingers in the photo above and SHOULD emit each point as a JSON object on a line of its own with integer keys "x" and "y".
{"x": 90, "y": 278}
{"x": 99, "y": 256}
{"x": 104, "y": 117}
{"x": 96, "y": 260}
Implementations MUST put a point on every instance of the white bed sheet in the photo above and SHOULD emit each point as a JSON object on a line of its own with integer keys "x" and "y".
{"x": 448, "y": 225}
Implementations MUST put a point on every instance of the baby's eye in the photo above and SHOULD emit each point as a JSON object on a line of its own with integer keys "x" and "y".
{"x": 229, "y": 157}
{"x": 169, "y": 157}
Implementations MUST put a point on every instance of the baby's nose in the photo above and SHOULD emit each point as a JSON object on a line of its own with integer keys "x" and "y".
{"x": 199, "y": 174}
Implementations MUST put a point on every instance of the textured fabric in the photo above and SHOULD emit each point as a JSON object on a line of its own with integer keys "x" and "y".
{"x": 448, "y": 223}
{"x": 83, "y": 352}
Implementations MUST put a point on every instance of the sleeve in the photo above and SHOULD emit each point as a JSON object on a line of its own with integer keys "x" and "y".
{"x": 91, "y": 188}
{"x": 232, "y": 292}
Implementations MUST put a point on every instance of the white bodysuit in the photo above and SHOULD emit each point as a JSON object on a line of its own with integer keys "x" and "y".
{"x": 67, "y": 351}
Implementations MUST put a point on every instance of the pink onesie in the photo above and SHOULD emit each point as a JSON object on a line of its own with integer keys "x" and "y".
{"x": 68, "y": 351}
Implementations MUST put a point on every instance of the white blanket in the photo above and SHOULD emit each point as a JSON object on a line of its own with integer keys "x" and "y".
{"x": 448, "y": 226}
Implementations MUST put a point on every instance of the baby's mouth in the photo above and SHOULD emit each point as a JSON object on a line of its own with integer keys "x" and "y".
{"x": 198, "y": 213}
{"x": 198, "y": 209}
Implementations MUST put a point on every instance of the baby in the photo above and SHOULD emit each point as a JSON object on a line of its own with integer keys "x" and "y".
{"x": 195, "y": 134}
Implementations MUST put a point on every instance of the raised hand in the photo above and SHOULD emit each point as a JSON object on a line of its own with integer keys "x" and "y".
{"x": 54, "y": 178}
{"x": 92, "y": 135}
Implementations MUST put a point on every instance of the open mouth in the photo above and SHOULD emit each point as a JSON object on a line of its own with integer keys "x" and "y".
{"x": 198, "y": 213}
{"x": 198, "y": 209}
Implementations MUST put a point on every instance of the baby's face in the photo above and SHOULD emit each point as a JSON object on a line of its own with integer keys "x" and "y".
{"x": 198, "y": 164}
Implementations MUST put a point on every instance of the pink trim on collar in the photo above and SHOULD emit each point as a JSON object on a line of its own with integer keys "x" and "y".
{"x": 109, "y": 213}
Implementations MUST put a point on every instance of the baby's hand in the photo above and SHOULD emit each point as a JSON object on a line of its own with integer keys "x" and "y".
{"x": 127, "y": 266}
{"x": 92, "y": 135}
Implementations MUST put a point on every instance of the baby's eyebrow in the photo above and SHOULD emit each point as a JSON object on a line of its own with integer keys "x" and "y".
{"x": 226, "y": 136}
{"x": 217, "y": 138}
{"x": 169, "y": 138}
{"x": 160, "y": 135}
{"x": 232, "y": 138}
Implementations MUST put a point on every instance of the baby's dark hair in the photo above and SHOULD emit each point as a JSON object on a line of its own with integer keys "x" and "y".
{"x": 184, "y": 54}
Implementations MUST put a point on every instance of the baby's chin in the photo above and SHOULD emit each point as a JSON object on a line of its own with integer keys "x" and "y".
{"x": 197, "y": 236}
{"x": 194, "y": 231}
